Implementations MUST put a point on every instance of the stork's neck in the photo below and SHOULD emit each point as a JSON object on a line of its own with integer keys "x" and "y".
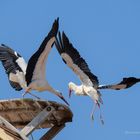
{"x": 46, "y": 86}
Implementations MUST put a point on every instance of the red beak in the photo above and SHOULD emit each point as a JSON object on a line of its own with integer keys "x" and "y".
{"x": 70, "y": 91}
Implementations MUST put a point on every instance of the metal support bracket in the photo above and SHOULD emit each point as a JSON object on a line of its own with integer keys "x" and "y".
{"x": 41, "y": 117}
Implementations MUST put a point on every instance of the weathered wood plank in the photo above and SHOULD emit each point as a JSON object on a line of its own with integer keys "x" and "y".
{"x": 11, "y": 127}
{"x": 8, "y": 134}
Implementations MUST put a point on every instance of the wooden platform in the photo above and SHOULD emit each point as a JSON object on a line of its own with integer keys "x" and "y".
{"x": 19, "y": 112}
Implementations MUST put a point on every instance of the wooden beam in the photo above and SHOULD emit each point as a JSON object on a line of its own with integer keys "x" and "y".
{"x": 41, "y": 117}
{"x": 52, "y": 132}
{"x": 11, "y": 127}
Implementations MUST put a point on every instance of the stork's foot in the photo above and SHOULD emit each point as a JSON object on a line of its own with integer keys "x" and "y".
{"x": 101, "y": 119}
{"x": 92, "y": 117}
{"x": 97, "y": 104}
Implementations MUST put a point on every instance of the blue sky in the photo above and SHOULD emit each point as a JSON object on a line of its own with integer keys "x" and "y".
{"x": 107, "y": 35}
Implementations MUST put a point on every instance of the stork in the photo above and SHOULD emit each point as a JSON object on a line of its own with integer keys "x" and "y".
{"x": 31, "y": 76}
{"x": 90, "y": 82}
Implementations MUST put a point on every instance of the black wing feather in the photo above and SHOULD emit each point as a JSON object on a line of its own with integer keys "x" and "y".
{"x": 66, "y": 47}
{"x": 15, "y": 85}
{"x": 8, "y": 59}
{"x": 34, "y": 58}
{"x": 130, "y": 81}
{"x": 59, "y": 45}
{"x": 124, "y": 84}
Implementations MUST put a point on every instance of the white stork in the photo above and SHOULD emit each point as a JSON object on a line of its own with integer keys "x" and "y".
{"x": 31, "y": 76}
{"x": 90, "y": 84}
{"x": 73, "y": 59}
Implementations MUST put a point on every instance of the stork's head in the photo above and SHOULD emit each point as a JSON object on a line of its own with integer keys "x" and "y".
{"x": 72, "y": 87}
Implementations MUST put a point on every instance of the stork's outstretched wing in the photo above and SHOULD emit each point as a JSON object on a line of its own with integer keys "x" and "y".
{"x": 74, "y": 61}
{"x": 36, "y": 65}
{"x": 125, "y": 83}
{"x": 13, "y": 64}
